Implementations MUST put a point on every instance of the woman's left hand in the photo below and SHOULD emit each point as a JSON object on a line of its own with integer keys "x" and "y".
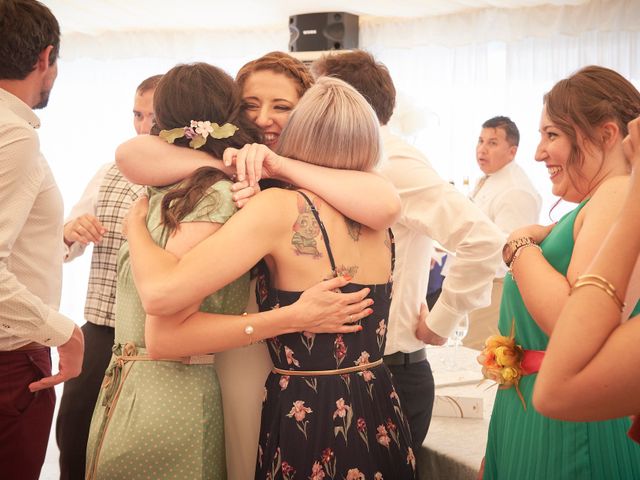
{"x": 537, "y": 232}
{"x": 137, "y": 213}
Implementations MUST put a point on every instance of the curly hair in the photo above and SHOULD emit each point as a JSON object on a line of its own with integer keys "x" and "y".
{"x": 278, "y": 62}
{"x": 28, "y": 27}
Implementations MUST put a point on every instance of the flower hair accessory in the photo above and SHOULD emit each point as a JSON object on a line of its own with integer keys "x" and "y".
{"x": 198, "y": 132}
{"x": 501, "y": 361}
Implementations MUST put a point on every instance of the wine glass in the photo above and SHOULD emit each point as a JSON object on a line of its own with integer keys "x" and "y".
{"x": 459, "y": 333}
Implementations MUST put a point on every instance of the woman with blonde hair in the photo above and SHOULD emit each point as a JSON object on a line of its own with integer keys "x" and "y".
{"x": 330, "y": 407}
{"x": 583, "y": 123}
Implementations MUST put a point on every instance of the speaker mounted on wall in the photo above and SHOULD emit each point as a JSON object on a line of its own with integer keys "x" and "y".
{"x": 311, "y": 32}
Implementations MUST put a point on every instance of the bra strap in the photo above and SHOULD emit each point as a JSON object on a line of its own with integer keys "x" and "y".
{"x": 322, "y": 229}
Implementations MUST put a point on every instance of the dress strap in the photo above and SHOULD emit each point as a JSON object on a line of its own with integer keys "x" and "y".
{"x": 393, "y": 250}
{"x": 322, "y": 229}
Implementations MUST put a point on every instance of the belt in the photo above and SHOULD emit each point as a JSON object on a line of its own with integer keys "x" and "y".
{"x": 401, "y": 358}
{"x": 339, "y": 371}
{"x": 29, "y": 346}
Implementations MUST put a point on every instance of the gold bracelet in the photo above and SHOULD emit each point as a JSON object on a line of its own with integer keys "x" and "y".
{"x": 519, "y": 250}
{"x": 602, "y": 283}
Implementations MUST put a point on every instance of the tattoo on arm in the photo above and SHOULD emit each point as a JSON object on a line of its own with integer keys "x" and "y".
{"x": 305, "y": 231}
{"x": 354, "y": 228}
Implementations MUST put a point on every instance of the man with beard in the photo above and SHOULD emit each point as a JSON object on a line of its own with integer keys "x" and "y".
{"x": 30, "y": 244}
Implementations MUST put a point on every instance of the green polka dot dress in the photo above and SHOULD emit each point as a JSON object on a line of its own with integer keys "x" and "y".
{"x": 159, "y": 419}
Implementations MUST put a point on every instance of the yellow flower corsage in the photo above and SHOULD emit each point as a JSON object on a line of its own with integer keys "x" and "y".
{"x": 501, "y": 361}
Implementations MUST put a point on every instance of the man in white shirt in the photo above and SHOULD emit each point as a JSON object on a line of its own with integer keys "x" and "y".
{"x": 97, "y": 218}
{"x": 507, "y": 196}
{"x": 432, "y": 209}
{"x": 30, "y": 245}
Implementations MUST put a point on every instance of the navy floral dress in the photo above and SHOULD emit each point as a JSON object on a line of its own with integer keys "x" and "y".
{"x": 341, "y": 426}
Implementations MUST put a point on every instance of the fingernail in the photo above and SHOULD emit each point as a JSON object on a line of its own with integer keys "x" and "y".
{"x": 370, "y": 301}
{"x": 360, "y": 328}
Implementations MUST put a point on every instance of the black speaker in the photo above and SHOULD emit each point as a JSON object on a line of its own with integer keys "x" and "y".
{"x": 312, "y": 32}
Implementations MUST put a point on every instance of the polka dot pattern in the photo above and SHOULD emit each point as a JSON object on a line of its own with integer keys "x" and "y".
{"x": 168, "y": 421}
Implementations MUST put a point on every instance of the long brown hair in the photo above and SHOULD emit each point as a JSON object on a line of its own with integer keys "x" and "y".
{"x": 583, "y": 102}
{"x": 201, "y": 92}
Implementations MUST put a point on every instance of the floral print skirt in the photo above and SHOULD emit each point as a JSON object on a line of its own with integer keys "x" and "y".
{"x": 348, "y": 426}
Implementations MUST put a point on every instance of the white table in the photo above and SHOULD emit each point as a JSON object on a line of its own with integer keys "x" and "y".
{"x": 454, "y": 447}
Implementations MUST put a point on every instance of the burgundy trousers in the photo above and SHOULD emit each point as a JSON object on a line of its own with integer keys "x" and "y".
{"x": 25, "y": 417}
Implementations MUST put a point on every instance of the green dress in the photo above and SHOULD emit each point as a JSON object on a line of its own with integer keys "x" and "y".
{"x": 161, "y": 419}
{"x": 526, "y": 445}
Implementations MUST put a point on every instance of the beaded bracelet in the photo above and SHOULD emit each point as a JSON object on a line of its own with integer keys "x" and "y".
{"x": 602, "y": 283}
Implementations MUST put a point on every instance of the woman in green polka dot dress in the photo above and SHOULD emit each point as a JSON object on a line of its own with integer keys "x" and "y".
{"x": 163, "y": 419}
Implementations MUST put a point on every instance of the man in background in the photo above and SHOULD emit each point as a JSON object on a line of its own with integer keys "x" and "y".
{"x": 432, "y": 209}
{"x": 97, "y": 219}
{"x": 507, "y": 196}
{"x": 30, "y": 244}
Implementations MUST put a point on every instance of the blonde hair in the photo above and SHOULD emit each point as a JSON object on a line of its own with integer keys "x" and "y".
{"x": 333, "y": 126}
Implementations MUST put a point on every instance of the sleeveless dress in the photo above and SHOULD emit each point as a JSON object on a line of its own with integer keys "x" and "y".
{"x": 526, "y": 445}
{"x": 332, "y": 426}
{"x": 161, "y": 419}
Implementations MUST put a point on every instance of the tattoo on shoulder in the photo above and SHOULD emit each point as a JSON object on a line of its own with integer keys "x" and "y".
{"x": 354, "y": 228}
{"x": 305, "y": 231}
{"x": 341, "y": 270}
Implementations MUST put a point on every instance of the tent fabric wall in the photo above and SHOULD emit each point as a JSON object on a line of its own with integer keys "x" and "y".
{"x": 452, "y": 73}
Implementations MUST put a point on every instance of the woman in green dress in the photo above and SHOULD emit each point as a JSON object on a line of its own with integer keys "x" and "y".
{"x": 583, "y": 123}
{"x": 594, "y": 376}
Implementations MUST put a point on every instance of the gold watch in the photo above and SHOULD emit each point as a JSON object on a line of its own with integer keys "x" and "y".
{"x": 510, "y": 248}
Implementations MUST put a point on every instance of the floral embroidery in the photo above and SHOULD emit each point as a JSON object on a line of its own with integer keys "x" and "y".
{"x": 361, "y": 426}
{"x": 276, "y": 347}
{"x": 289, "y": 354}
{"x": 312, "y": 383}
{"x": 317, "y": 472}
{"x": 378, "y": 476}
{"x": 299, "y": 411}
{"x": 329, "y": 462}
{"x": 367, "y": 375}
{"x": 346, "y": 378}
{"x": 339, "y": 350}
{"x": 381, "y": 331}
{"x": 355, "y": 474}
{"x": 411, "y": 459}
{"x": 382, "y": 437}
{"x": 288, "y": 472}
{"x": 284, "y": 382}
{"x": 307, "y": 340}
{"x": 345, "y": 412}
{"x": 393, "y": 430}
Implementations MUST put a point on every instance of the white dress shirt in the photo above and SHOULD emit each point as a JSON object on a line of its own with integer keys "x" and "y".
{"x": 510, "y": 200}
{"x": 31, "y": 246}
{"x": 432, "y": 209}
